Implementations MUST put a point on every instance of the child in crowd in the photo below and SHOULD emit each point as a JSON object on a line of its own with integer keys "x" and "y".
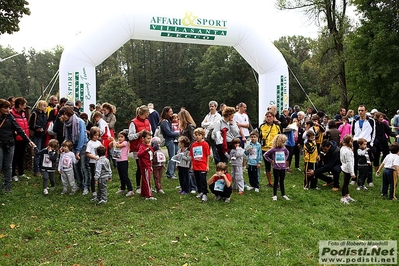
{"x": 236, "y": 157}
{"x": 184, "y": 163}
{"x": 220, "y": 183}
{"x": 308, "y": 126}
{"x": 65, "y": 167}
{"x": 102, "y": 175}
{"x": 200, "y": 153}
{"x": 254, "y": 155}
{"x": 347, "y": 160}
{"x": 145, "y": 155}
{"x": 289, "y": 132}
{"x": 365, "y": 157}
{"x": 158, "y": 164}
{"x": 104, "y": 130}
{"x": 91, "y": 153}
{"x": 175, "y": 125}
{"x": 277, "y": 156}
{"x": 48, "y": 160}
{"x": 310, "y": 155}
{"x": 345, "y": 128}
{"x": 389, "y": 178}
{"x": 318, "y": 130}
{"x": 120, "y": 154}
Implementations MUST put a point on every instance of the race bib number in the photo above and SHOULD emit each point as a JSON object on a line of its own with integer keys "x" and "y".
{"x": 161, "y": 157}
{"x": 46, "y": 161}
{"x": 197, "y": 152}
{"x": 280, "y": 157}
{"x": 219, "y": 185}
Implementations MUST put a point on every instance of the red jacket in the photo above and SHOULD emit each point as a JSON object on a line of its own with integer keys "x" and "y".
{"x": 145, "y": 157}
{"x": 140, "y": 124}
{"x": 22, "y": 122}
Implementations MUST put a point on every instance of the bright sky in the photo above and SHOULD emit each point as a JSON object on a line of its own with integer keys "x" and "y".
{"x": 56, "y": 22}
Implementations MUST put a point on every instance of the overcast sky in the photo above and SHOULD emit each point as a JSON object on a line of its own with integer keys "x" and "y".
{"x": 56, "y": 22}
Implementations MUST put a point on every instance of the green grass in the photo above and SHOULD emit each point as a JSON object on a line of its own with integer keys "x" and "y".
{"x": 179, "y": 230}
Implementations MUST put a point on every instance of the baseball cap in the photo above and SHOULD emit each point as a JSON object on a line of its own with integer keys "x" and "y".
{"x": 373, "y": 111}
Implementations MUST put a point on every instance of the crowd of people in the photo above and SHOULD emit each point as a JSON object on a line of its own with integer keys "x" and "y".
{"x": 83, "y": 148}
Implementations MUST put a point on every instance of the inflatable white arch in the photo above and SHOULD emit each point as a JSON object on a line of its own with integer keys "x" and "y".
{"x": 183, "y": 24}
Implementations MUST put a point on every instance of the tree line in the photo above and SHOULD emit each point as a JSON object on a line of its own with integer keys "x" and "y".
{"x": 343, "y": 67}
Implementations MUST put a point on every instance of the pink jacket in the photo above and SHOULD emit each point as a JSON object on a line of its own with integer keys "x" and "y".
{"x": 344, "y": 129}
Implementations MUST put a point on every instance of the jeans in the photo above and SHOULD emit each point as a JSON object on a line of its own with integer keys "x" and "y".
{"x": 82, "y": 170}
{"x": 6, "y": 156}
{"x": 39, "y": 142}
{"x": 172, "y": 150}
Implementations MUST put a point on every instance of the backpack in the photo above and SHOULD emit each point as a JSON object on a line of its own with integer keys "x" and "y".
{"x": 158, "y": 133}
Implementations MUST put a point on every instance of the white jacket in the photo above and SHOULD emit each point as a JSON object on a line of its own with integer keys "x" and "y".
{"x": 347, "y": 160}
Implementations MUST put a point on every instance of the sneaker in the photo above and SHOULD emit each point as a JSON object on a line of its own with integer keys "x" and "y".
{"x": 173, "y": 177}
{"x": 359, "y": 188}
{"x": 344, "y": 201}
{"x": 299, "y": 169}
{"x": 352, "y": 183}
{"x": 305, "y": 188}
{"x": 193, "y": 191}
{"x": 227, "y": 200}
{"x": 130, "y": 193}
{"x": 199, "y": 195}
{"x": 241, "y": 193}
{"x": 256, "y": 189}
{"x": 151, "y": 198}
{"x": 182, "y": 192}
{"x": 138, "y": 190}
{"x": 371, "y": 184}
{"x": 102, "y": 202}
{"x": 317, "y": 188}
{"x": 364, "y": 187}
{"x": 161, "y": 191}
{"x": 15, "y": 178}
{"x": 286, "y": 198}
{"x": 25, "y": 176}
{"x": 85, "y": 191}
{"x": 45, "y": 191}
{"x": 349, "y": 199}
{"x": 94, "y": 194}
{"x": 250, "y": 188}
{"x": 63, "y": 192}
{"x": 269, "y": 185}
{"x": 178, "y": 187}
{"x": 204, "y": 198}
{"x": 218, "y": 198}
{"x": 94, "y": 199}
{"x": 274, "y": 198}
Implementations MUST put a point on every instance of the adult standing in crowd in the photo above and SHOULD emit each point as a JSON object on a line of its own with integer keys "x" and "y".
{"x": 51, "y": 104}
{"x": 186, "y": 125}
{"x": 208, "y": 124}
{"x": 58, "y": 124}
{"x": 153, "y": 117}
{"x": 38, "y": 124}
{"x": 18, "y": 111}
{"x": 136, "y": 128}
{"x": 224, "y": 133}
{"x": 170, "y": 136}
{"x": 295, "y": 113}
{"x": 75, "y": 131}
{"x": 242, "y": 121}
{"x": 395, "y": 124}
{"x": 338, "y": 117}
{"x": 382, "y": 134}
{"x": 8, "y": 127}
{"x": 363, "y": 127}
{"x": 279, "y": 119}
{"x": 267, "y": 131}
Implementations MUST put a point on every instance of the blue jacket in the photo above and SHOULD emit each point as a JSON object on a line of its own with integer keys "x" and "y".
{"x": 254, "y": 157}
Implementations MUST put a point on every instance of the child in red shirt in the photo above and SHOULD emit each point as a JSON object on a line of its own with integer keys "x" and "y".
{"x": 145, "y": 155}
{"x": 200, "y": 153}
{"x": 220, "y": 183}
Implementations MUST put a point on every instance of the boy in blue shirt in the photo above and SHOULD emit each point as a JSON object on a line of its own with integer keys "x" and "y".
{"x": 254, "y": 155}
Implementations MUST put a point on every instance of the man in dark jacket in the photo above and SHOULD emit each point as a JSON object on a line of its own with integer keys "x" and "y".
{"x": 330, "y": 162}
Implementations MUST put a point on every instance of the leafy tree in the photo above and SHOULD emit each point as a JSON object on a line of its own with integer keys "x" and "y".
{"x": 297, "y": 50}
{"x": 226, "y": 77}
{"x": 117, "y": 92}
{"x": 373, "y": 56}
{"x": 333, "y": 14}
{"x": 10, "y": 14}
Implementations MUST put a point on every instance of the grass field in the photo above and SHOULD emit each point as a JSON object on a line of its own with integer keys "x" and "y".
{"x": 179, "y": 230}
